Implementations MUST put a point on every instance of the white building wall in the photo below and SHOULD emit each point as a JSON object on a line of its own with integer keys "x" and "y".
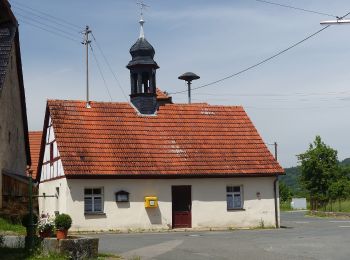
{"x": 53, "y": 196}
{"x": 51, "y": 170}
{"x": 209, "y": 207}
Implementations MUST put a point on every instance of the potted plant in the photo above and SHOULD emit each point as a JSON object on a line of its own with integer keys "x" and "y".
{"x": 62, "y": 223}
{"x": 46, "y": 225}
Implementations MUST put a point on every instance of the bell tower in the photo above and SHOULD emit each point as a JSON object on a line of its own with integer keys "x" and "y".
{"x": 143, "y": 74}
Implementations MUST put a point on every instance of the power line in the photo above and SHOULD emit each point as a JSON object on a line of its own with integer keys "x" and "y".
{"x": 273, "y": 95}
{"x": 50, "y": 20}
{"x": 277, "y": 100}
{"x": 101, "y": 73}
{"x": 296, "y": 8}
{"x": 257, "y": 64}
{"x": 14, "y": 3}
{"x": 46, "y": 25}
{"x": 297, "y": 108}
{"x": 110, "y": 67}
{"x": 48, "y": 30}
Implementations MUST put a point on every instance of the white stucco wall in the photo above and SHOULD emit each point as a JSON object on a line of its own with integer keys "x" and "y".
{"x": 54, "y": 169}
{"x": 56, "y": 195}
{"x": 209, "y": 207}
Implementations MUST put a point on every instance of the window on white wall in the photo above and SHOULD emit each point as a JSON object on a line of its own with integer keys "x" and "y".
{"x": 93, "y": 200}
{"x": 234, "y": 197}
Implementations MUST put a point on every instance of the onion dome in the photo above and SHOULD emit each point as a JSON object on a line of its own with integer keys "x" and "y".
{"x": 142, "y": 52}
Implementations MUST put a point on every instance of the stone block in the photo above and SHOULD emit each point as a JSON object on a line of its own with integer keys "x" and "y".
{"x": 13, "y": 241}
{"x": 77, "y": 248}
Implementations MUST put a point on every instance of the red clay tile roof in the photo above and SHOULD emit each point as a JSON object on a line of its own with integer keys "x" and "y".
{"x": 35, "y": 143}
{"x": 181, "y": 140}
{"x": 161, "y": 94}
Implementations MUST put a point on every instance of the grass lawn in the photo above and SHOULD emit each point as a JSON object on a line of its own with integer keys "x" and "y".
{"x": 285, "y": 206}
{"x": 18, "y": 253}
{"x": 344, "y": 206}
{"x": 12, "y": 254}
{"x": 11, "y": 228}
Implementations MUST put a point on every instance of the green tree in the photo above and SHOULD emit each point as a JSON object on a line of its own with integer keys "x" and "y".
{"x": 339, "y": 189}
{"x": 319, "y": 169}
{"x": 285, "y": 192}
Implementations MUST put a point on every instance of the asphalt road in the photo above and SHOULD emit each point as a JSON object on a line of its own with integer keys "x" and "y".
{"x": 301, "y": 238}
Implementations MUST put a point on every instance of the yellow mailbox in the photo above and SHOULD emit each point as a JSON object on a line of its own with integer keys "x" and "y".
{"x": 151, "y": 202}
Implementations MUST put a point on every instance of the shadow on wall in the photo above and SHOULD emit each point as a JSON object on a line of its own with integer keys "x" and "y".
{"x": 203, "y": 190}
{"x": 123, "y": 205}
{"x": 95, "y": 216}
{"x": 154, "y": 215}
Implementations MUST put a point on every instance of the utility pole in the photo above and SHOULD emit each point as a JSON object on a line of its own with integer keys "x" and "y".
{"x": 30, "y": 235}
{"x": 275, "y": 144}
{"x": 275, "y": 147}
{"x": 86, "y": 42}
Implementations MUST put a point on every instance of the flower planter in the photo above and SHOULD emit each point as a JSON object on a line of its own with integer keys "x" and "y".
{"x": 46, "y": 233}
{"x": 62, "y": 223}
{"x": 61, "y": 234}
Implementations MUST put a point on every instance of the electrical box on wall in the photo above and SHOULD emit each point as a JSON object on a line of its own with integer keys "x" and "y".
{"x": 151, "y": 202}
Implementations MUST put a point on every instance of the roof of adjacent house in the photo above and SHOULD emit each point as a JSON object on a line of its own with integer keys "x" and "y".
{"x": 35, "y": 144}
{"x": 181, "y": 140}
{"x": 162, "y": 94}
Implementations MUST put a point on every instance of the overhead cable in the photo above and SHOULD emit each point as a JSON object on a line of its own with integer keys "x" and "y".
{"x": 14, "y": 3}
{"x": 296, "y": 8}
{"x": 27, "y": 22}
{"x": 101, "y": 73}
{"x": 273, "y": 95}
{"x": 52, "y": 27}
{"x": 110, "y": 67}
{"x": 50, "y": 20}
{"x": 256, "y": 64}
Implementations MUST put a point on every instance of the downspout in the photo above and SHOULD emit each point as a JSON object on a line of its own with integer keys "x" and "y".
{"x": 276, "y": 202}
{"x": 275, "y": 190}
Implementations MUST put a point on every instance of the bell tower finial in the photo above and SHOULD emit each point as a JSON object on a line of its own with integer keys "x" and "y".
{"x": 142, "y": 21}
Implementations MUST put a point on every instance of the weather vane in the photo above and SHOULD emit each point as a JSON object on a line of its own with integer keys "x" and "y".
{"x": 142, "y": 8}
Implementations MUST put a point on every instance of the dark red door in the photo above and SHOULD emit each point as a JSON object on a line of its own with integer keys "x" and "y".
{"x": 181, "y": 204}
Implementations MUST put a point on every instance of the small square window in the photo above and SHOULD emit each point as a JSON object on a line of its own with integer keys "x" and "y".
{"x": 234, "y": 197}
{"x": 93, "y": 200}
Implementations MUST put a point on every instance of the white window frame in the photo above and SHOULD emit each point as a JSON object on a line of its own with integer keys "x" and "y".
{"x": 230, "y": 191}
{"x": 93, "y": 197}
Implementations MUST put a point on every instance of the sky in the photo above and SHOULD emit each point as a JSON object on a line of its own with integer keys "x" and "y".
{"x": 300, "y": 94}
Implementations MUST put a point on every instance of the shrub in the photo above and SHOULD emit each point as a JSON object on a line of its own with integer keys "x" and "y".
{"x": 63, "y": 222}
{"x": 26, "y": 220}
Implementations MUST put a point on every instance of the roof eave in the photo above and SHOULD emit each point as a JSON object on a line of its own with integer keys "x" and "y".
{"x": 42, "y": 146}
{"x": 169, "y": 176}
{"x": 23, "y": 97}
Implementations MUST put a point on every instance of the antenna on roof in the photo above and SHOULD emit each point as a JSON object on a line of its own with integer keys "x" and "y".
{"x": 86, "y": 42}
{"x": 189, "y": 76}
{"x": 142, "y": 7}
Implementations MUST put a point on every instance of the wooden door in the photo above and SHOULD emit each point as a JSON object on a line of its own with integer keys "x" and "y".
{"x": 181, "y": 206}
